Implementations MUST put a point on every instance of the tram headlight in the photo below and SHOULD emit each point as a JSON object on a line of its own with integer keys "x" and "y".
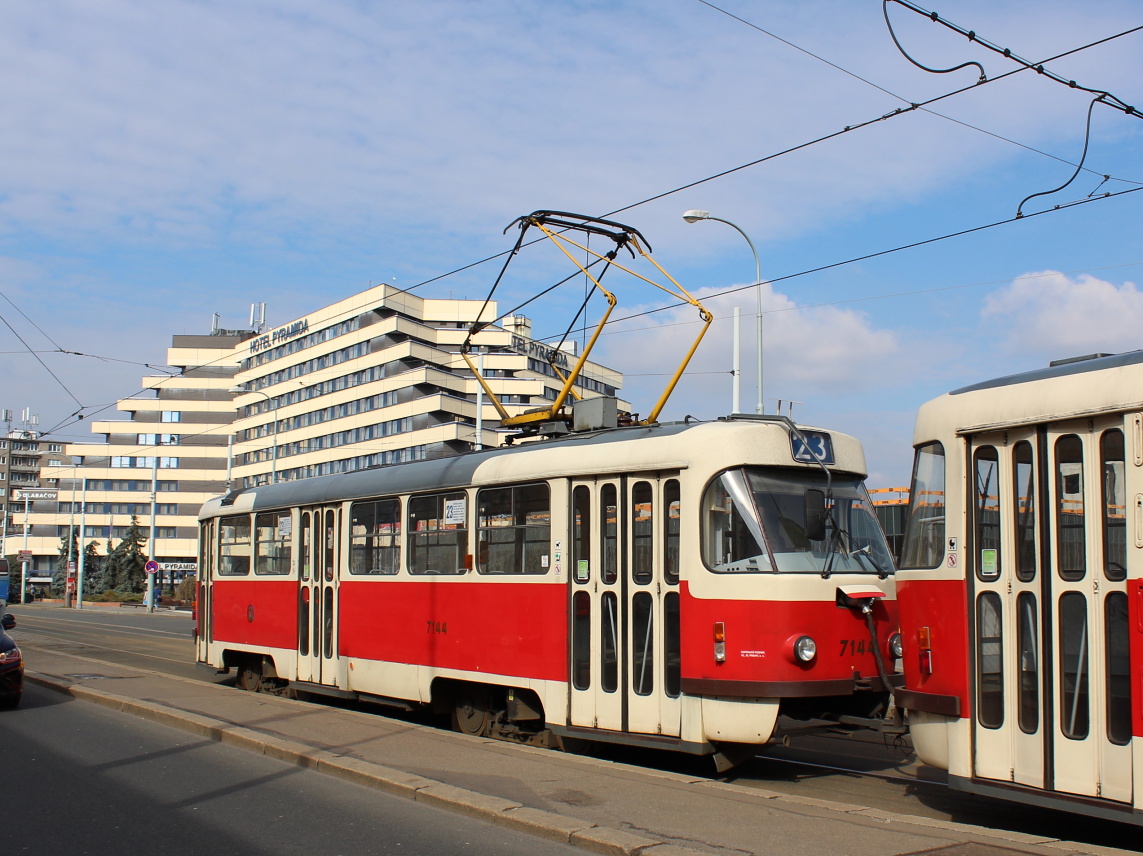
{"x": 805, "y": 649}
{"x": 896, "y": 646}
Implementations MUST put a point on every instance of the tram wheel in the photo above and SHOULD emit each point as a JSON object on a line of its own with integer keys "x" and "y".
{"x": 470, "y": 713}
{"x": 250, "y": 675}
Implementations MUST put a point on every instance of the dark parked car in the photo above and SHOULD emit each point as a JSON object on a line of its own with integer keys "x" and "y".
{"x": 11, "y": 665}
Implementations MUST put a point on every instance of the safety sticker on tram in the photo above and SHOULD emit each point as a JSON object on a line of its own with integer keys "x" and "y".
{"x": 952, "y": 560}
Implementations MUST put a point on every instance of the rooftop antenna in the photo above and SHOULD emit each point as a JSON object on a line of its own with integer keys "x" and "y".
{"x": 258, "y": 317}
{"x": 30, "y": 419}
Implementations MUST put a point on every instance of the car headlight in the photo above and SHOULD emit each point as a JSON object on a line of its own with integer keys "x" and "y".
{"x": 805, "y": 649}
{"x": 12, "y": 655}
{"x": 896, "y": 646}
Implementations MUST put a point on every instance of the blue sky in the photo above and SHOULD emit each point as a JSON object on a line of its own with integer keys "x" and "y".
{"x": 161, "y": 161}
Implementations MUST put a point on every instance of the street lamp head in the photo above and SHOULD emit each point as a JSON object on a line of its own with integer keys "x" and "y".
{"x": 696, "y": 214}
{"x": 239, "y": 387}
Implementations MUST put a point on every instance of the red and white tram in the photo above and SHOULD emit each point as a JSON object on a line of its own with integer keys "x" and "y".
{"x": 670, "y": 585}
{"x": 1021, "y": 586}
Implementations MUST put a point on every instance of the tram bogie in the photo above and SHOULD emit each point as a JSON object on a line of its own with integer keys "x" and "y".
{"x": 1021, "y": 578}
{"x": 677, "y": 586}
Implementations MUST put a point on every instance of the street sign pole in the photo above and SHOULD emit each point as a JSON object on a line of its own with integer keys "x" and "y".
{"x": 151, "y": 571}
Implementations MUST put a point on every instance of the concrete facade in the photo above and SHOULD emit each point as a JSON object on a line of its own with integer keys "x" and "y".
{"x": 373, "y": 379}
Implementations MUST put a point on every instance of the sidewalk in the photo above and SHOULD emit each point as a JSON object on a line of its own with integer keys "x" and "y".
{"x": 601, "y": 806}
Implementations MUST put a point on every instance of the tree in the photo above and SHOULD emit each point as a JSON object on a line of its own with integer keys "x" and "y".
{"x": 126, "y": 564}
{"x": 95, "y": 581}
{"x": 69, "y": 552}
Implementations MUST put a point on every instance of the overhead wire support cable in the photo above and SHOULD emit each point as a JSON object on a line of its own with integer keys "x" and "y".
{"x": 972, "y": 36}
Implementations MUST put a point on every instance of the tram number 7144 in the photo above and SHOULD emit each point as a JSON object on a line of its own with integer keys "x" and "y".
{"x": 855, "y": 646}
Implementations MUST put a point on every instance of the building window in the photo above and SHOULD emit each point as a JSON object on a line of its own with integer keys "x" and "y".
{"x": 158, "y": 439}
{"x": 172, "y": 416}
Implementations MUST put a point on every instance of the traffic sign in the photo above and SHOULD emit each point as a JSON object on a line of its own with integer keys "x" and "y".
{"x": 152, "y": 567}
{"x": 25, "y": 555}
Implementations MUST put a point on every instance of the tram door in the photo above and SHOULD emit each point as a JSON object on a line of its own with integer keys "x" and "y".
{"x": 625, "y": 604}
{"x": 1051, "y": 631}
{"x": 320, "y": 552}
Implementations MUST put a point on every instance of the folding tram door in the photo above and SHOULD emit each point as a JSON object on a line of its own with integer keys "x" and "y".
{"x": 1048, "y": 557}
{"x": 624, "y": 552}
{"x": 320, "y": 552}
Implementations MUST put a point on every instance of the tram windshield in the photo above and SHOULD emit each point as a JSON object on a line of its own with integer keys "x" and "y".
{"x": 762, "y": 521}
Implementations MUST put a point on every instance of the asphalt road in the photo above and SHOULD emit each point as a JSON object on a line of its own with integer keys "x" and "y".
{"x": 874, "y": 772}
{"x": 80, "y": 780}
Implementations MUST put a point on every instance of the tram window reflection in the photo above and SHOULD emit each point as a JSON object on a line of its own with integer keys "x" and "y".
{"x": 1024, "y": 506}
{"x": 1114, "y": 505}
{"x": 272, "y": 539}
{"x": 515, "y": 530}
{"x": 925, "y": 531}
{"x": 1118, "y": 667}
{"x": 375, "y": 537}
{"x": 986, "y": 471}
{"x": 1073, "y": 635}
{"x": 234, "y": 546}
{"x": 990, "y": 660}
{"x": 438, "y": 533}
{"x": 1071, "y": 552}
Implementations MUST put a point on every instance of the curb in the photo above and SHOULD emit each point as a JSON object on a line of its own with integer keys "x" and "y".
{"x": 507, "y": 813}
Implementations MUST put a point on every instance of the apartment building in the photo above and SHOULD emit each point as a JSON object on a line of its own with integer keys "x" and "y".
{"x": 174, "y": 438}
{"x": 376, "y": 378}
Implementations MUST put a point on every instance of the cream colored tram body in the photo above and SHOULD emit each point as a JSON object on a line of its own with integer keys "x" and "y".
{"x": 672, "y": 585}
{"x": 1021, "y": 586}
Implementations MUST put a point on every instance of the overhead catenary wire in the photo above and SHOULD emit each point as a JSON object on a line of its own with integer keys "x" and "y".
{"x": 889, "y": 92}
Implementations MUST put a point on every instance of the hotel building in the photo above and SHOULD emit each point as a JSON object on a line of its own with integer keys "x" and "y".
{"x": 374, "y": 379}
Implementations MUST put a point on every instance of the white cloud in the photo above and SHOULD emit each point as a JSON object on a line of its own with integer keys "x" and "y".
{"x": 808, "y": 354}
{"x": 1051, "y": 316}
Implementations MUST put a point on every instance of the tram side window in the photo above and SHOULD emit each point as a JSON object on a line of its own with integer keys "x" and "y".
{"x": 1114, "y": 505}
{"x": 609, "y": 534}
{"x": 1071, "y": 555}
{"x": 515, "y": 529}
{"x": 1073, "y": 641}
{"x": 1118, "y": 668}
{"x": 375, "y": 537}
{"x": 732, "y": 538}
{"x": 642, "y": 533}
{"x": 272, "y": 552}
{"x": 1028, "y": 642}
{"x": 438, "y": 533}
{"x": 1024, "y": 504}
{"x": 990, "y": 660}
{"x": 581, "y": 534}
{"x": 987, "y": 490}
{"x": 925, "y": 531}
{"x": 672, "y": 511}
{"x": 234, "y": 546}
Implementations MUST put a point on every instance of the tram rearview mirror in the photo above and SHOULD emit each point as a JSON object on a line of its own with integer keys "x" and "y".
{"x": 815, "y": 514}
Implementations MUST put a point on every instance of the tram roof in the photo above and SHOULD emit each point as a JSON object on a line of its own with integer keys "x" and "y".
{"x": 574, "y": 454}
{"x": 1065, "y": 390}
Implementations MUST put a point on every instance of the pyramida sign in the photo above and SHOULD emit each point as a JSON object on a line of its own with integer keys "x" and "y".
{"x": 280, "y": 336}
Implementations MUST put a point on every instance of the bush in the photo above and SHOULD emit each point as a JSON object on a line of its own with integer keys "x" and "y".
{"x": 115, "y": 597}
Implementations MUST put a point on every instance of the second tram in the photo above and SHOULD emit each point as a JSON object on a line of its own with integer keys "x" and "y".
{"x": 1021, "y": 586}
{"x": 668, "y": 585}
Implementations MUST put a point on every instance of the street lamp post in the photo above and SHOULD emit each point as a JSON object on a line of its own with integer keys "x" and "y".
{"x": 245, "y": 388}
{"x": 693, "y": 216}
